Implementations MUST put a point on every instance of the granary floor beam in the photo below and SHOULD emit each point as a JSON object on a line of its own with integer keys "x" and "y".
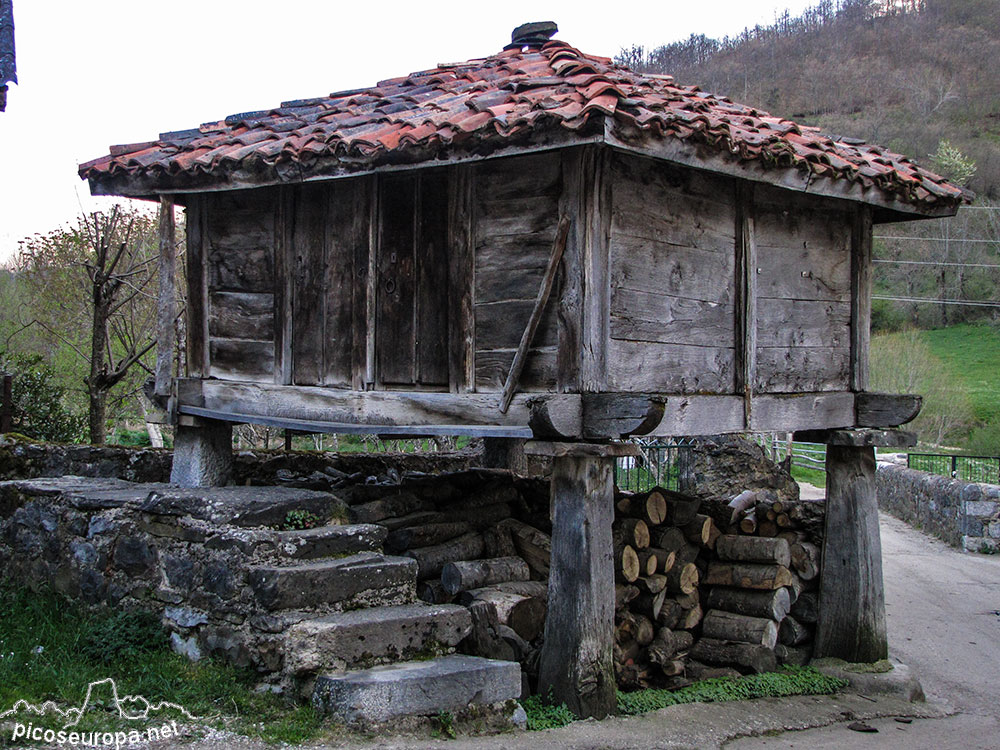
{"x": 852, "y": 597}
{"x": 576, "y": 660}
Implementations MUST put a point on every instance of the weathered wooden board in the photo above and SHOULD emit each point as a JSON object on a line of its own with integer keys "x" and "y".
{"x": 378, "y": 408}
{"x": 861, "y": 298}
{"x": 396, "y": 283}
{"x": 511, "y": 267}
{"x": 529, "y": 214}
{"x": 310, "y": 224}
{"x": 571, "y": 290}
{"x": 197, "y": 303}
{"x": 802, "y": 369}
{"x": 239, "y": 236}
{"x": 236, "y": 359}
{"x": 461, "y": 280}
{"x": 242, "y": 315}
{"x": 493, "y": 365}
{"x": 670, "y": 368}
{"x": 647, "y": 316}
{"x": 532, "y": 174}
{"x": 789, "y": 412}
{"x": 794, "y": 323}
{"x": 499, "y": 325}
{"x": 345, "y": 280}
{"x": 431, "y": 259}
{"x": 657, "y": 268}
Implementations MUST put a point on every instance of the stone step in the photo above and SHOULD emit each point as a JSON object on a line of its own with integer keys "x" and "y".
{"x": 330, "y": 541}
{"x": 416, "y": 688}
{"x": 365, "y": 579}
{"x": 365, "y": 636}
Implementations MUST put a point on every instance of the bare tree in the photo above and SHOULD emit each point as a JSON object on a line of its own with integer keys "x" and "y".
{"x": 94, "y": 292}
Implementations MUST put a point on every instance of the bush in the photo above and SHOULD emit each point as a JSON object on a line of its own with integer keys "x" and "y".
{"x": 39, "y": 404}
{"x": 123, "y": 635}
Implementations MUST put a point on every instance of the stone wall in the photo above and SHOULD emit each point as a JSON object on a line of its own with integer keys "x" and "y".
{"x": 964, "y": 514}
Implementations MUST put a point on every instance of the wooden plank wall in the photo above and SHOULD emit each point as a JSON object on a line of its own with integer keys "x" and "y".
{"x": 803, "y": 293}
{"x": 238, "y": 236}
{"x": 672, "y": 279}
{"x": 516, "y": 216}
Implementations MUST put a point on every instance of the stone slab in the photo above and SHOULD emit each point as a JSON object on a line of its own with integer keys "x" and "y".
{"x": 449, "y": 683}
{"x": 335, "y": 581}
{"x": 899, "y": 681}
{"x": 348, "y": 639}
{"x": 241, "y": 506}
{"x": 328, "y": 541}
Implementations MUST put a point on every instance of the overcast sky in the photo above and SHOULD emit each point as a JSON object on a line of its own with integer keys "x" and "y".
{"x": 105, "y": 72}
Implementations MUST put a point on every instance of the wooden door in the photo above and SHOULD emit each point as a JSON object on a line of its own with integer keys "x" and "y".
{"x": 411, "y": 289}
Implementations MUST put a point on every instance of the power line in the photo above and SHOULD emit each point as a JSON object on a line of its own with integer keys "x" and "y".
{"x": 936, "y": 263}
{"x": 933, "y": 301}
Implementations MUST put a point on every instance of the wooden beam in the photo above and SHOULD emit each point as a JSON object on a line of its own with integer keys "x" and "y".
{"x": 852, "y": 598}
{"x": 886, "y": 409}
{"x": 461, "y": 280}
{"x": 617, "y": 415}
{"x": 596, "y": 307}
{"x": 541, "y": 300}
{"x": 166, "y": 308}
{"x": 746, "y": 299}
{"x": 861, "y": 297}
{"x": 576, "y": 660}
{"x": 371, "y": 295}
{"x": 568, "y": 355}
{"x": 197, "y": 280}
{"x": 284, "y": 263}
{"x": 346, "y": 428}
{"x": 866, "y": 438}
{"x": 591, "y": 450}
{"x": 381, "y": 409}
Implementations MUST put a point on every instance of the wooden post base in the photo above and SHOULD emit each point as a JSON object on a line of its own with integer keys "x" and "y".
{"x": 203, "y": 454}
{"x": 576, "y": 659}
{"x": 852, "y": 598}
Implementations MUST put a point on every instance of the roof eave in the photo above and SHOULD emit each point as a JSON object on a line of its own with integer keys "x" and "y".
{"x": 694, "y": 155}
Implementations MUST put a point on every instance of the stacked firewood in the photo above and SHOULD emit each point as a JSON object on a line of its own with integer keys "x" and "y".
{"x": 660, "y": 547}
{"x": 701, "y": 589}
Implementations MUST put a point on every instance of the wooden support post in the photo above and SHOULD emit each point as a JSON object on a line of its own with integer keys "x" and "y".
{"x": 852, "y": 599}
{"x": 166, "y": 311}
{"x": 505, "y": 453}
{"x": 576, "y": 659}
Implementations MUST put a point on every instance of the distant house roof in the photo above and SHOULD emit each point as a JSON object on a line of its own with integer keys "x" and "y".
{"x": 520, "y": 99}
{"x": 8, "y": 68}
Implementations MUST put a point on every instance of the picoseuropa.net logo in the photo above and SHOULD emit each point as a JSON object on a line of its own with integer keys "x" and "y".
{"x": 33, "y": 724}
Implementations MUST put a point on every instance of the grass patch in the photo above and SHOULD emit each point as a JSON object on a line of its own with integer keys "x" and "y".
{"x": 789, "y": 681}
{"x": 971, "y": 355}
{"x": 814, "y": 477}
{"x": 51, "y": 649}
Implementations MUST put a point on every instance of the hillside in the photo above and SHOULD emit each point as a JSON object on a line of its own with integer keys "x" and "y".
{"x": 906, "y": 74}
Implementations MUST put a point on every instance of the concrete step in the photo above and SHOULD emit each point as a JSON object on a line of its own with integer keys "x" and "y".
{"x": 416, "y": 688}
{"x": 366, "y": 579}
{"x": 368, "y": 636}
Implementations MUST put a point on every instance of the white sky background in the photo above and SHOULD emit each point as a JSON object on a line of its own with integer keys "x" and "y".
{"x": 100, "y": 72}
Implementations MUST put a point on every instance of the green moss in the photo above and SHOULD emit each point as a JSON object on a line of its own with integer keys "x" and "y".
{"x": 879, "y": 667}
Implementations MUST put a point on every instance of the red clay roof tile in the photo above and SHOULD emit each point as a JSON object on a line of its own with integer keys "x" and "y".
{"x": 491, "y": 100}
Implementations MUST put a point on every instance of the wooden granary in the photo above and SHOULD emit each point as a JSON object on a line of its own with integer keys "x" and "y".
{"x": 540, "y": 244}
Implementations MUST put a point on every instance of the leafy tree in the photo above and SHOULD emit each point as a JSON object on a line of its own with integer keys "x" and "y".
{"x": 953, "y": 164}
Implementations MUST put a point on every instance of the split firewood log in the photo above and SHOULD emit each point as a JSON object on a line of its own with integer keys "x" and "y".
{"x": 748, "y": 575}
{"x": 624, "y": 593}
{"x": 699, "y": 530}
{"x": 654, "y": 560}
{"x": 670, "y": 613}
{"x": 531, "y": 544}
{"x": 753, "y": 549}
{"x": 691, "y": 618}
{"x": 748, "y": 524}
{"x": 728, "y": 626}
{"x": 773, "y": 605}
{"x": 806, "y": 608}
{"x": 650, "y": 507}
{"x": 667, "y": 644}
{"x": 630, "y": 531}
{"x": 525, "y": 615}
{"x": 792, "y": 632}
{"x": 431, "y": 560}
{"x": 652, "y": 584}
{"x": 682, "y": 578}
{"x": 754, "y": 658}
{"x": 627, "y": 568}
{"x": 805, "y": 560}
{"x": 473, "y": 574}
{"x": 649, "y": 604}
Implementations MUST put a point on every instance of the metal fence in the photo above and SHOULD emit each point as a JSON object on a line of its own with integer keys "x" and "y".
{"x": 967, "y": 468}
{"x": 661, "y": 463}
